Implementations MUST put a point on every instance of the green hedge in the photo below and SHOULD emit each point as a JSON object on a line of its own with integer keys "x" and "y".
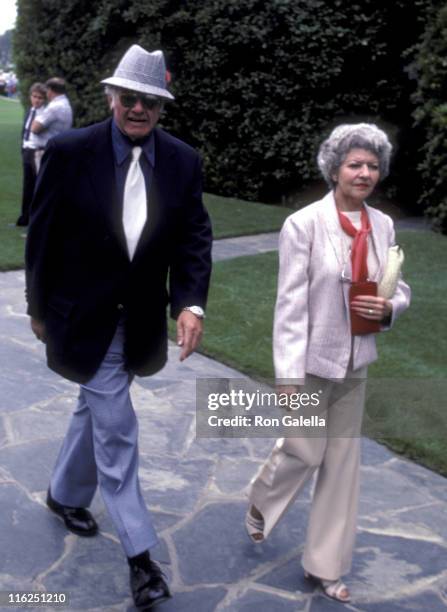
{"x": 258, "y": 83}
{"x": 431, "y": 117}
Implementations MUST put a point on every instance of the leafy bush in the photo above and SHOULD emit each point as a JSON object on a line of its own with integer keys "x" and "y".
{"x": 431, "y": 116}
{"x": 258, "y": 84}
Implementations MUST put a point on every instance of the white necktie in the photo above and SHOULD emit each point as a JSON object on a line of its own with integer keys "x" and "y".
{"x": 134, "y": 203}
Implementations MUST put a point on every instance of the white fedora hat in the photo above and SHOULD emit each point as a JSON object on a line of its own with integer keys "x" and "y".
{"x": 141, "y": 71}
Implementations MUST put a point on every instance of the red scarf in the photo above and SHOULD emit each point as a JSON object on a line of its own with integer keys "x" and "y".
{"x": 359, "y": 250}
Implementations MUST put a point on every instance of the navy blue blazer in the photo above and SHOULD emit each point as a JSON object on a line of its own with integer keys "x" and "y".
{"x": 79, "y": 279}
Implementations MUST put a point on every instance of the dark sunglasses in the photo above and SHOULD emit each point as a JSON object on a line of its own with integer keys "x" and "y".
{"x": 130, "y": 99}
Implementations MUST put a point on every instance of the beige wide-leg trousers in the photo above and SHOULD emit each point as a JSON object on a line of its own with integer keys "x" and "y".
{"x": 336, "y": 460}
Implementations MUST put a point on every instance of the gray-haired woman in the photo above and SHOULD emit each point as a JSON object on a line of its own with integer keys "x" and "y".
{"x": 332, "y": 254}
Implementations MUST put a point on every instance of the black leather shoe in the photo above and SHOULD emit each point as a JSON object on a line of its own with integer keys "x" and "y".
{"x": 148, "y": 585}
{"x": 77, "y": 520}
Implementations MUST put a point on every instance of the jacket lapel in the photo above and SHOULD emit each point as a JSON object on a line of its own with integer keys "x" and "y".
{"x": 27, "y": 114}
{"x": 100, "y": 165}
{"x": 379, "y": 239}
{"x": 162, "y": 186}
{"x": 330, "y": 221}
{"x": 164, "y": 171}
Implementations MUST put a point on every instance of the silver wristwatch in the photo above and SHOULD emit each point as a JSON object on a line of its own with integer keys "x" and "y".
{"x": 196, "y": 310}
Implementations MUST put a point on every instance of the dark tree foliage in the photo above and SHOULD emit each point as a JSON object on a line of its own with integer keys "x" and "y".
{"x": 258, "y": 83}
{"x": 75, "y": 39}
{"x": 431, "y": 116}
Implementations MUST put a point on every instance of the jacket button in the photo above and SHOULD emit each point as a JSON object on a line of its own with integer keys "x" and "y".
{"x": 120, "y": 306}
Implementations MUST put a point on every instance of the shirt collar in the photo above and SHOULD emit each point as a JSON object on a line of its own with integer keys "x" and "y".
{"x": 122, "y": 146}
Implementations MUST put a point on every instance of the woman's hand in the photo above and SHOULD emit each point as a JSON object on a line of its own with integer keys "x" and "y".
{"x": 287, "y": 390}
{"x": 372, "y": 307}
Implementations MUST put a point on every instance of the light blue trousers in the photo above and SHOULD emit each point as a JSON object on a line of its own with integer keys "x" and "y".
{"x": 101, "y": 448}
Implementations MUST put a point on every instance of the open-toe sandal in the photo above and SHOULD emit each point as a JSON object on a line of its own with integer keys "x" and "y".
{"x": 332, "y": 588}
{"x": 254, "y": 527}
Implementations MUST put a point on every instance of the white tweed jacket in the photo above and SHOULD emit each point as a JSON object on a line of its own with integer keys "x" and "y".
{"x": 312, "y": 332}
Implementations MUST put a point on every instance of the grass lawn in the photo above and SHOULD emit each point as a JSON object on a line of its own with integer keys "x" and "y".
{"x": 230, "y": 217}
{"x": 408, "y": 385}
{"x": 11, "y": 242}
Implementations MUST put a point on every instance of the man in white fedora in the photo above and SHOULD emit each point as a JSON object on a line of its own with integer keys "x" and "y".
{"x": 117, "y": 209}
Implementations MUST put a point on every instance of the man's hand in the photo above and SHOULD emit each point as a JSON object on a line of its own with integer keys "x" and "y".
{"x": 189, "y": 333}
{"x": 37, "y": 127}
{"x": 38, "y": 328}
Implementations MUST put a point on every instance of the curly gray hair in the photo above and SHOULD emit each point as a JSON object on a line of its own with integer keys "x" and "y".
{"x": 345, "y": 137}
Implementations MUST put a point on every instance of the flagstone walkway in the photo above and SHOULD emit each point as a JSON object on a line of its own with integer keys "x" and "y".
{"x": 196, "y": 491}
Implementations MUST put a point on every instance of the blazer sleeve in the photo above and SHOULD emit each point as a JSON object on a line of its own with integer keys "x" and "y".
{"x": 190, "y": 265}
{"x": 291, "y": 320}
{"x": 402, "y": 296}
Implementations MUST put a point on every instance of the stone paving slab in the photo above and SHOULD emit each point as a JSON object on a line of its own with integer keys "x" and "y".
{"x": 244, "y": 245}
{"x": 196, "y": 490}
